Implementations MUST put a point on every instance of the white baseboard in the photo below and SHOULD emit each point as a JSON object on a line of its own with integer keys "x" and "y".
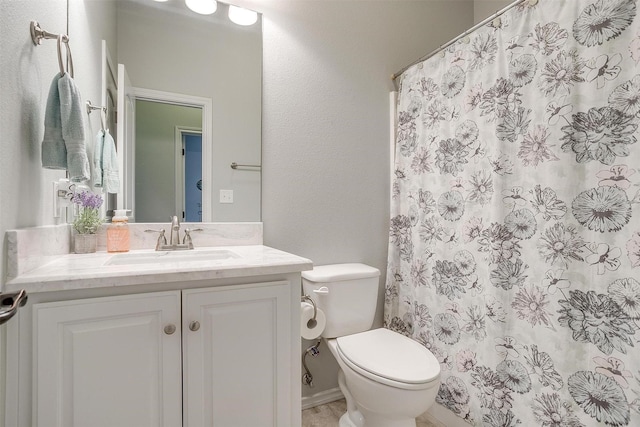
{"x": 321, "y": 398}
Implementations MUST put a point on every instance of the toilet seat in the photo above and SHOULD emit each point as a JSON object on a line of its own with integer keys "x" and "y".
{"x": 389, "y": 358}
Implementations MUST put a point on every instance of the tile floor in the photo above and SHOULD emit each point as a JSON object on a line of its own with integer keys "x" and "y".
{"x": 329, "y": 414}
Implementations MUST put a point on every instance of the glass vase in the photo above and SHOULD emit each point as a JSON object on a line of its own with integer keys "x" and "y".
{"x": 85, "y": 243}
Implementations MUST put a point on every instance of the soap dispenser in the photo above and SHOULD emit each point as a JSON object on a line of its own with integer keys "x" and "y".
{"x": 118, "y": 232}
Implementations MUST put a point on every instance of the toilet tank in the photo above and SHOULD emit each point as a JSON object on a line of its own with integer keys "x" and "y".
{"x": 346, "y": 293}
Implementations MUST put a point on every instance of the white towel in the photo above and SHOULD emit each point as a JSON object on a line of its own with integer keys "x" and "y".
{"x": 105, "y": 163}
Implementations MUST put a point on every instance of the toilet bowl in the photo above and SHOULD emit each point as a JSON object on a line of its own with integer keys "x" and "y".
{"x": 387, "y": 378}
{"x": 391, "y": 378}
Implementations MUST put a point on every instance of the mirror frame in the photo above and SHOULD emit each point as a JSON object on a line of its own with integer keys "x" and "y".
{"x": 206, "y": 108}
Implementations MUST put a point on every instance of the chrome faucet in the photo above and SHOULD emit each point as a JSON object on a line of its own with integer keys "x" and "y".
{"x": 174, "y": 240}
{"x": 174, "y": 237}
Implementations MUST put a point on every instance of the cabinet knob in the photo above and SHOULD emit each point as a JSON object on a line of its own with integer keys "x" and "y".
{"x": 194, "y": 325}
{"x": 170, "y": 329}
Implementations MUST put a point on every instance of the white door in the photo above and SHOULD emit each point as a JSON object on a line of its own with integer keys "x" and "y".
{"x": 236, "y": 357}
{"x": 110, "y": 361}
{"x": 126, "y": 141}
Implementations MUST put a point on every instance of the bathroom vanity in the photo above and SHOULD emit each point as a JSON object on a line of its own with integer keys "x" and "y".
{"x": 209, "y": 337}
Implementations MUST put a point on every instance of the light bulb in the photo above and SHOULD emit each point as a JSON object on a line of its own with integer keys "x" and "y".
{"x": 241, "y": 16}
{"x": 203, "y": 7}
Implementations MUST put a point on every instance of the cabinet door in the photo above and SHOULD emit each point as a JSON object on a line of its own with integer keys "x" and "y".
{"x": 237, "y": 362}
{"x": 108, "y": 362}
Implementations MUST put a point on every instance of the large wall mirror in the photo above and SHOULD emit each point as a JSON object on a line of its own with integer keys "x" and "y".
{"x": 166, "y": 48}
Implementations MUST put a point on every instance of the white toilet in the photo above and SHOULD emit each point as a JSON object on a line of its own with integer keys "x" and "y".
{"x": 387, "y": 378}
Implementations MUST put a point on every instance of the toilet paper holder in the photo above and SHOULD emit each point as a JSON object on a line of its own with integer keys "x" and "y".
{"x": 312, "y": 322}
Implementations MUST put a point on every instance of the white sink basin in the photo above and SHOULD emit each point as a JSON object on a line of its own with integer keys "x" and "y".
{"x": 171, "y": 256}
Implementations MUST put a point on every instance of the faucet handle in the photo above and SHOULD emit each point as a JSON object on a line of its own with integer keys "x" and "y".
{"x": 162, "y": 239}
{"x": 187, "y": 237}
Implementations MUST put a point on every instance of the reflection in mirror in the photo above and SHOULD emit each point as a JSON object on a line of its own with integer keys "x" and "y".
{"x": 166, "y": 47}
{"x": 109, "y": 100}
{"x": 168, "y": 148}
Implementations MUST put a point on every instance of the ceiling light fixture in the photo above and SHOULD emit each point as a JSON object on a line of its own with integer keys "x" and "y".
{"x": 203, "y": 7}
{"x": 241, "y": 16}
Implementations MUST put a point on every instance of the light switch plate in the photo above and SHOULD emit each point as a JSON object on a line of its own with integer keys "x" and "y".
{"x": 226, "y": 196}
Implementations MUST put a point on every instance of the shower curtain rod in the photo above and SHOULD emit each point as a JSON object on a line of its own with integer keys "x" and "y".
{"x": 466, "y": 33}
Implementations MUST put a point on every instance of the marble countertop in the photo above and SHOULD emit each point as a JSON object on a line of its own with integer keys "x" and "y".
{"x": 85, "y": 271}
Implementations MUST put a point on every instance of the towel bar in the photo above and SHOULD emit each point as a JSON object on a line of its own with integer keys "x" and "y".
{"x": 234, "y": 165}
{"x": 10, "y": 303}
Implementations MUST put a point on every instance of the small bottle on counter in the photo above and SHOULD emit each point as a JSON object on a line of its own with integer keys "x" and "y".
{"x": 118, "y": 232}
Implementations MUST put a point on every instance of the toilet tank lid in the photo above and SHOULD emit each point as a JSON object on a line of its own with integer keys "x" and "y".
{"x": 338, "y": 272}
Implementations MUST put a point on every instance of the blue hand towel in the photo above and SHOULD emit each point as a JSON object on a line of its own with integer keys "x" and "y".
{"x": 54, "y": 152}
{"x": 73, "y": 129}
{"x": 105, "y": 162}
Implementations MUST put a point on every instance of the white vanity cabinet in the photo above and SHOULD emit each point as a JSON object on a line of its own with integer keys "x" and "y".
{"x": 214, "y": 356}
{"x": 236, "y": 356}
{"x": 209, "y": 337}
{"x": 108, "y": 362}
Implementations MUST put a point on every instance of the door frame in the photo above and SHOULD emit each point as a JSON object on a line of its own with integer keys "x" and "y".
{"x": 180, "y": 131}
{"x": 206, "y": 106}
{"x": 109, "y": 81}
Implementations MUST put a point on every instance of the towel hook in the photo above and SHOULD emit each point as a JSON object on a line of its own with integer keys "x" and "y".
{"x": 104, "y": 113}
{"x": 38, "y": 34}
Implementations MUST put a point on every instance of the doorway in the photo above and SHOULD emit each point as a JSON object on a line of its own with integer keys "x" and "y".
{"x": 189, "y": 193}
{"x": 152, "y": 186}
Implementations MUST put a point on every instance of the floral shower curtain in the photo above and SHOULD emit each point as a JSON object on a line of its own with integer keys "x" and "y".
{"x": 514, "y": 250}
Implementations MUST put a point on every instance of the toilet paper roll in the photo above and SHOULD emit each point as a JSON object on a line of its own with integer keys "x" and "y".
{"x": 310, "y": 329}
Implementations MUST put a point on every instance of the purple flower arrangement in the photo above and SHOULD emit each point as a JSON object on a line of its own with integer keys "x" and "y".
{"x": 88, "y": 218}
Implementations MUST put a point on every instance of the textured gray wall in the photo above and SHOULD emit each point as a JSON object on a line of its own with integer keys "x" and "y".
{"x": 327, "y": 68}
{"x": 482, "y": 9}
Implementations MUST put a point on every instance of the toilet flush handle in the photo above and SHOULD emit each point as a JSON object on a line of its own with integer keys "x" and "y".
{"x": 322, "y": 291}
